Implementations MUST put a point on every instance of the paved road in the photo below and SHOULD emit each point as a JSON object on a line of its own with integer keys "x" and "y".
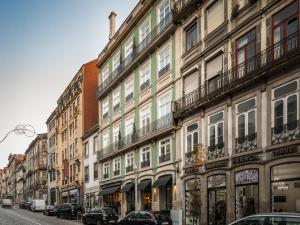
{"x": 16, "y": 216}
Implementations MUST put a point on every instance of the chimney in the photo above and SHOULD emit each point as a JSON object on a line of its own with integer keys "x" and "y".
{"x": 112, "y": 24}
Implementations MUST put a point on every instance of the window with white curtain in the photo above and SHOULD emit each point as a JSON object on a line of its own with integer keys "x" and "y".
{"x": 214, "y": 15}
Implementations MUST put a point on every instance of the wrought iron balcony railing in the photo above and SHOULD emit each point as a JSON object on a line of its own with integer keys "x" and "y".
{"x": 216, "y": 151}
{"x": 145, "y": 164}
{"x": 144, "y": 85}
{"x": 129, "y": 97}
{"x": 183, "y": 8}
{"x": 105, "y": 176}
{"x": 285, "y": 133}
{"x": 246, "y": 143}
{"x": 129, "y": 169}
{"x": 164, "y": 70}
{"x": 164, "y": 157}
{"x": 261, "y": 65}
{"x": 156, "y": 127}
{"x": 116, "y": 172}
{"x": 136, "y": 52}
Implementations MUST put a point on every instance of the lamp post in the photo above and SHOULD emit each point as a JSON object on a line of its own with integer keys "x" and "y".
{"x": 135, "y": 186}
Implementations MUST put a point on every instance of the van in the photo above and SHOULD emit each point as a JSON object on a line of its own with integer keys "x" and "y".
{"x": 38, "y": 205}
{"x": 7, "y": 202}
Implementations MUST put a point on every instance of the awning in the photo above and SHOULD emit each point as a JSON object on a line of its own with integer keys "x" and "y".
{"x": 162, "y": 181}
{"x": 144, "y": 184}
{"x": 111, "y": 190}
{"x": 128, "y": 187}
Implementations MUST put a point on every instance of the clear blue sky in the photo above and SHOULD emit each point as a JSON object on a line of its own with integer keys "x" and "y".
{"x": 42, "y": 45}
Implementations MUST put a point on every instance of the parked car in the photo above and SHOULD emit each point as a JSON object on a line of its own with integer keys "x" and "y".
{"x": 100, "y": 216}
{"x": 270, "y": 219}
{"x": 22, "y": 205}
{"x": 146, "y": 218}
{"x": 28, "y": 205}
{"x": 38, "y": 205}
{"x": 7, "y": 203}
{"x": 50, "y": 210}
{"x": 69, "y": 211}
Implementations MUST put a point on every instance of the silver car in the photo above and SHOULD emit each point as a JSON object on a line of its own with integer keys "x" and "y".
{"x": 270, "y": 219}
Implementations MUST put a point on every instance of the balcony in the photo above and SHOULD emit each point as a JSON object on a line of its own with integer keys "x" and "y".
{"x": 184, "y": 8}
{"x": 116, "y": 107}
{"x": 116, "y": 172}
{"x": 129, "y": 97}
{"x": 164, "y": 157}
{"x": 105, "y": 116}
{"x": 155, "y": 38}
{"x": 138, "y": 137}
{"x": 246, "y": 143}
{"x": 163, "y": 71}
{"x": 275, "y": 59}
{"x": 129, "y": 169}
{"x": 144, "y": 85}
{"x": 105, "y": 176}
{"x": 216, "y": 151}
{"x": 145, "y": 164}
{"x": 286, "y": 133}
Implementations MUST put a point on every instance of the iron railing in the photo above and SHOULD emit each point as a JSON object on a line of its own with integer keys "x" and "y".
{"x": 117, "y": 173}
{"x": 255, "y": 67}
{"x": 246, "y": 143}
{"x": 141, "y": 134}
{"x": 180, "y": 5}
{"x": 285, "y": 133}
{"x": 105, "y": 176}
{"x": 216, "y": 151}
{"x": 145, "y": 164}
{"x": 129, "y": 97}
{"x": 164, "y": 70}
{"x": 136, "y": 52}
{"x": 144, "y": 85}
{"x": 164, "y": 157}
{"x": 129, "y": 169}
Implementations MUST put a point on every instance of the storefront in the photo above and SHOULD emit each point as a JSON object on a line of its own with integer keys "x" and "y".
{"x": 246, "y": 192}
{"x": 146, "y": 194}
{"x": 285, "y": 187}
{"x": 164, "y": 185}
{"x": 216, "y": 192}
{"x": 128, "y": 191}
{"x": 193, "y": 201}
{"x": 112, "y": 198}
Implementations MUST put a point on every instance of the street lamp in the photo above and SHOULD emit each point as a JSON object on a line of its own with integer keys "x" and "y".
{"x": 21, "y": 129}
{"x": 135, "y": 169}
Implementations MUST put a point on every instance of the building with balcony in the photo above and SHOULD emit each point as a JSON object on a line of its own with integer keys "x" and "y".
{"x": 36, "y": 169}
{"x": 76, "y": 113}
{"x": 20, "y": 181}
{"x": 138, "y": 80}
{"x": 3, "y": 182}
{"x": 91, "y": 168}
{"x": 52, "y": 143}
{"x": 239, "y": 107}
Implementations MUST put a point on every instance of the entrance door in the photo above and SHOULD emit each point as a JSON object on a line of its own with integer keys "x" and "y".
{"x": 217, "y": 206}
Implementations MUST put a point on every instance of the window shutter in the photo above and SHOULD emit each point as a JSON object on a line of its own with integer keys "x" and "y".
{"x": 214, "y": 66}
{"x": 269, "y": 31}
{"x": 191, "y": 83}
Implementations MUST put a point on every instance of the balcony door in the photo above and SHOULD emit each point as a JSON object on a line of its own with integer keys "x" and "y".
{"x": 191, "y": 88}
{"x": 214, "y": 69}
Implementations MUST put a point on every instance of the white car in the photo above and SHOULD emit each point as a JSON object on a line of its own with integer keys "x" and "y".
{"x": 38, "y": 205}
{"x": 270, "y": 219}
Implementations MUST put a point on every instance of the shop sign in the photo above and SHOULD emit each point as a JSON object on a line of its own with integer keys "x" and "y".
{"x": 192, "y": 170}
{"x": 285, "y": 151}
{"x": 223, "y": 163}
{"x": 245, "y": 159}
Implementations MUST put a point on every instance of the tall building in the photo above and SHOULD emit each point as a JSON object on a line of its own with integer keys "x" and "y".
{"x": 76, "y": 113}
{"x": 52, "y": 143}
{"x": 239, "y": 110}
{"x": 36, "y": 169}
{"x": 2, "y": 182}
{"x": 20, "y": 181}
{"x": 138, "y": 80}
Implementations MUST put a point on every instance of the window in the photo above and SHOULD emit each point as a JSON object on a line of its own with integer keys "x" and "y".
{"x": 246, "y": 126}
{"x": 129, "y": 90}
{"x": 164, "y": 11}
{"x": 105, "y": 109}
{"x": 242, "y": 3}
{"x": 117, "y": 166}
{"x": 128, "y": 49}
{"x": 164, "y": 150}
{"x": 105, "y": 142}
{"x": 145, "y": 77}
{"x": 106, "y": 170}
{"x": 191, "y": 83}
{"x": 116, "y": 61}
{"x": 144, "y": 31}
{"x": 216, "y": 135}
{"x": 145, "y": 121}
{"x": 86, "y": 174}
{"x": 86, "y": 149}
{"x": 95, "y": 171}
{"x": 192, "y": 135}
{"x": 95, "y": 144}
{"x": 145, "y": 157}
{"x": 214, "y": 68}
{"x": 164, "y": 106}
{"x": 191, "y": 36}
{"x": 214, "y": 15}
{"x": 116, "y": 136}
{"x": 285, "y": 113}
{"x": 105, "y": 73}
{"x": 129, "y": 130}
{"x": 164, "y": 61}
{"x": 129, "y": 162}
{"x": 245, "y": 51}
{"x": 116, "y": 100}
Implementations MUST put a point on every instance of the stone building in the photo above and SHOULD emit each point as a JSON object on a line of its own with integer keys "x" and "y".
{"x": 20, "y": 181}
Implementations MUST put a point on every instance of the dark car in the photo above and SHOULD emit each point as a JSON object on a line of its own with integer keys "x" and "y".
{"x": 69, "y": 211}
{"x": 50, "y": 210}
{"x": 146, "y": 218}
{"x": 28, "y": 205}
{"x": 101, "y": 216}
{"x": 22, "y": 205}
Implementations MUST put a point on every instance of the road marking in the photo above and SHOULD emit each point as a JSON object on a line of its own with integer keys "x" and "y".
{"x": 10, "y": 212}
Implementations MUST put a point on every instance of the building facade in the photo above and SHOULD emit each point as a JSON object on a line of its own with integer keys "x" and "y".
{"x": 52, "y": 143}
{"x": 138, "y": 78}
{"x": 76, "y": 113}
{"x": 36, "y": 169}
{"x": 20, "y": 181}
{"x": 3, "y": 182}
{"x": 239, "y": 110}
{"x": 90, "y": 168}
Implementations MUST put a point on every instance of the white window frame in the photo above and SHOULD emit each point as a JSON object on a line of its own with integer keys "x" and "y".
{"x": 167, "y": 105}
{"x": 166, "y": 58}
{"x": 117, "y": 165}
{"x": 106, "y": 168}
{"x": 192, "y": 134}
{"x": 130, "y": 157}
{"x": 146, "y": 26}
{"x": 128, "y": 48}
{"x": 215, "y": 124}
{"x": 105, "y": 140}
{"x": 148, "y": 148}
{"x": 163, "y": 5}
{"x": 105, "y": 107}
{"x": 105, "y": 73}
{"x": 116, "y": 97}
{"x": 116, "y": 61}
{"x": 129, "y": 86}
{"x": 164, "y": 145}
{"x": 144, "y": 114}
{"x": 145, "y": 73}
{"x": 116, "y": 131}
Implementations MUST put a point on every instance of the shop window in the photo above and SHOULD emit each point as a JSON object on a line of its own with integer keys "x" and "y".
{"x": 245, "y": 52}
{"x": 191, "y": 36}
{"x": 246, "y": 193}
{"x": 285, "y": 184}
{"x": 246, "y": 126}
{"x": 129, "y": 128}
{"x": 285, "y": 113}
{"x": 216, "y": 186}
{"x": 216, "y": 135}
{"x": 193, "y": 202}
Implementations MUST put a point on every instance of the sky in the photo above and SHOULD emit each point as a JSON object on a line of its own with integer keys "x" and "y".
{"x": 43, "y": 43}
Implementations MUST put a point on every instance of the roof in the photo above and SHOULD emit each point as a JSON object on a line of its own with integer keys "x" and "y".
{"x": 53, "y": 114}
{"x": 38, "y": 137}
